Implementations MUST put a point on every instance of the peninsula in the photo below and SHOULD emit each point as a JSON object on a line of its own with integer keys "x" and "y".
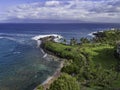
{"x": 92, "y": 64}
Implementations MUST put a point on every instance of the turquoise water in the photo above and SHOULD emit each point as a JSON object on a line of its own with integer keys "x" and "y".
{"x": 22, "y": 65}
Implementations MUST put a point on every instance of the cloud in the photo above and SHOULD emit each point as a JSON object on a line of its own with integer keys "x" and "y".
{"x": 85, "y": 10}
{"x": 52, "y": 3}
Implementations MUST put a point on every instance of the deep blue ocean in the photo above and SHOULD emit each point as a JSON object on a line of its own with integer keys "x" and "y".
{"x": 22, "y": 66}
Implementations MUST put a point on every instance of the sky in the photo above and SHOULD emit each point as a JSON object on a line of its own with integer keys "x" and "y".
{"x": 62, "y": 10}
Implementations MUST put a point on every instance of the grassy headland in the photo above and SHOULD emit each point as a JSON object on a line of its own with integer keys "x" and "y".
{"x": 90, "y": 65}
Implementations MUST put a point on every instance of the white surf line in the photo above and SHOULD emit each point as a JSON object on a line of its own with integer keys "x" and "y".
{"x": 38, "y": 37}
{"x": 57, "y": 37}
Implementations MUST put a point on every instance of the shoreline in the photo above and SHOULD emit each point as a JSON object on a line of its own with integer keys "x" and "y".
{"x": 46, "y": 84}
{"x": 40, "y": 41}
{"x": 47, "y": 54}
{"x": 94, "y": 32}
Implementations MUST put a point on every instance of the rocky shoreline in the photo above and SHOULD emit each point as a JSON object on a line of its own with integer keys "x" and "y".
{"x": 46, "y": 84}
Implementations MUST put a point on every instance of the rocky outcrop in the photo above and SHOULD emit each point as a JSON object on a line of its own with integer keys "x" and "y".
{"x": 45, "y": 39}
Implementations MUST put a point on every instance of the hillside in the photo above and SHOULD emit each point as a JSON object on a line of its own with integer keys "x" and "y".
{"x": 92, "y": 64}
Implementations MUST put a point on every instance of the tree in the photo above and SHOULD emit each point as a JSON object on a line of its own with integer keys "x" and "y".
{"x": 84, "y": 40}
{"x": 65, "y": 82}
{"x": 73, "y": 41}
{"x": 64, "y": 41}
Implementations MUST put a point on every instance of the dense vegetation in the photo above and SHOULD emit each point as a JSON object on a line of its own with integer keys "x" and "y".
{"x": 92, "y": 63}
{"x": 65, "y": 82}
{"x": 109, "y": 37}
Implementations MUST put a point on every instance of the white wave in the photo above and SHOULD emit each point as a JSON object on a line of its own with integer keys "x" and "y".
{"x": 42, "y": 51}
{"x": 9, "y": 38}
{"x": 38, "y": 43}
{"x": 19, "y": 38}
{"x": 16, "y": 35}
{"x": 1, "y": 37}
{"x": 37, "y": 38}
{"x": 21, "y": 41}
{"x": 16, "y": 52}
{"x": 45, "y": 55}
{"x": 43, "y": 36}
{"x": 91, "y": 34}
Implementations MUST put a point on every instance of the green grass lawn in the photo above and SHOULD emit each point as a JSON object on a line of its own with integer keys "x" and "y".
{"x": 100, "y": 54}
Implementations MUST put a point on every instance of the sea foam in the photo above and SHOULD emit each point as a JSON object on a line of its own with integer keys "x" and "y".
{"x": 92, "y": 33}
{"x": 38, "y": 37}
{"x": 57, "y": 37}
{"x": 9, "y": 38}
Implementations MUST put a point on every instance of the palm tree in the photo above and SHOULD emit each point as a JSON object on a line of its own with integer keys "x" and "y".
{"x": 64, "y": 41}
{"x": 73, "y": 41}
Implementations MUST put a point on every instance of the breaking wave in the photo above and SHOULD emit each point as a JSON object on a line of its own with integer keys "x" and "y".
{"x": 38, "y": 37}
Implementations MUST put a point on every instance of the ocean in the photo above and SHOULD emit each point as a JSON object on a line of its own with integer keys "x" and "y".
{"x": 22, "y": 64}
